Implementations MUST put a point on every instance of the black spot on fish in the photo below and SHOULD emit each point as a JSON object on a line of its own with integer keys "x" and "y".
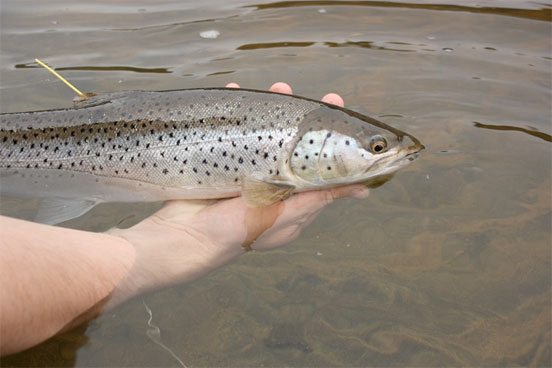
{"x": 165, "y": 171}
{"x": 253, "y": 162}
{"x": 347, "y": 142}
{"x": 240, "y": 160}
{"x": 143, "y": 165}
{"x": 329, "y": 168}
{"x": 194, "y": 169}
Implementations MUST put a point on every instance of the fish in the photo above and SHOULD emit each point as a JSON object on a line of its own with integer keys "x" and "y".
{"x": 142, "y": 146}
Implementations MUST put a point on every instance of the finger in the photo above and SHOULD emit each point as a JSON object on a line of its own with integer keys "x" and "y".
{"x": 232, "y": 85}
{"x": 311, "y": 201}
{"x": 300, "y": 211}
{"x": 281, "y": 87}
{"x": 333, "y": 99}
{"x": 354, "y": 191}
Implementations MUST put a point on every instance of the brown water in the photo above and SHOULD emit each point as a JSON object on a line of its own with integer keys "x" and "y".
{"x": 447, "y": 264}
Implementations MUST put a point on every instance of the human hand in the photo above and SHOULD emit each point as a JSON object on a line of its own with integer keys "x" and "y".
{"x": 186, "y": 239}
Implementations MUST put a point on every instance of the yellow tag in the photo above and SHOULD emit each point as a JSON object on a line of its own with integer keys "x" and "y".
{"x": 82, "y": 95}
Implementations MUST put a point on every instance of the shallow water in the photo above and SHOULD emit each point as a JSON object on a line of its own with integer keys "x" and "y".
{"x": 446, "y": 264}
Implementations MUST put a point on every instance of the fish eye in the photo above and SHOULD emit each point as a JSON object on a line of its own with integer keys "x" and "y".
{"x": 378, "y": 144}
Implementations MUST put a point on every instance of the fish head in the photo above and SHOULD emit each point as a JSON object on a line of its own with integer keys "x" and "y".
{"x": 337, "y": 146}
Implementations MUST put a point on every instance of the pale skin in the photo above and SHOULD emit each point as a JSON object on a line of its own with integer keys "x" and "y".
{"x": 52, "y": 278}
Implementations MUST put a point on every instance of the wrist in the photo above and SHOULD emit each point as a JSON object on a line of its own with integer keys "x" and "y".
{"x": 166, "y": 255}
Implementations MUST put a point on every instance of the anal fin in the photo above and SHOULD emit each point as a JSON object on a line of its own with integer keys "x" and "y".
{"x": 55, "y": 210}
{"x": 259, "y": 193}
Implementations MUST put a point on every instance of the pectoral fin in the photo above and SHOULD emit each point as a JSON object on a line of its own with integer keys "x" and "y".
{"x": 259, "y": 193}
{"x": 55, "y": 210}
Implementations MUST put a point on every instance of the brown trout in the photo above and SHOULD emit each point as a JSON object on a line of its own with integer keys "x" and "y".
{"x": 191, "y": 144}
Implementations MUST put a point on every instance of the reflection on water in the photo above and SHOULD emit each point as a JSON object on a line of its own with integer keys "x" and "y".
{"x": 100, "y": 68}
{"x": 448, "y": 263}
{"x": 536, "y": 14}
{"x": 533, "y": 132}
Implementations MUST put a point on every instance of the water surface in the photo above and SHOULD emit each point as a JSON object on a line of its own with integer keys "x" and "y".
{"x": 446, "y": 264}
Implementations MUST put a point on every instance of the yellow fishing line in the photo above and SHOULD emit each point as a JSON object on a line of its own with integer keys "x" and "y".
{"x": 83, "y": 95}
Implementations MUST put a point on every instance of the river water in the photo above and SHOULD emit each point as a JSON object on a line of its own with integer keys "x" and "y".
{"x": 448, "y": 264}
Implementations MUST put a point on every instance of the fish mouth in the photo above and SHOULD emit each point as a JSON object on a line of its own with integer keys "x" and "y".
{"x": 402, "y": 157}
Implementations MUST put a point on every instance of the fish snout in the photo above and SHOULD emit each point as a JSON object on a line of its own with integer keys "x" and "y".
{"x": 411, "y": 144}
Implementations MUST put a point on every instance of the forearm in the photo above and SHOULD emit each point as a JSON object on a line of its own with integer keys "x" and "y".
{"x": 51, "y": 277}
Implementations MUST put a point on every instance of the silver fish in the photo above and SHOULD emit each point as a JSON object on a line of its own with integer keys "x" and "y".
{"x": 191, "y": 144}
